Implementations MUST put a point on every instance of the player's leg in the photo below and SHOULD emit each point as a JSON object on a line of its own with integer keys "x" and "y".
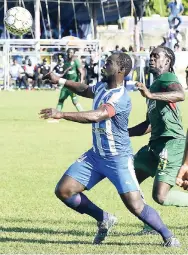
{"x": 122, "y": 175}
{"x": 145, "y": 164}
{"x": 170, "y": 160}
{"x": 75, "y": 101}
{"x": 80, "y": 176}
{"x": 62, "y": 97}
{"x": 134, "y": 203}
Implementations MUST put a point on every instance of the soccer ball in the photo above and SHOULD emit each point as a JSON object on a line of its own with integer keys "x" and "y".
{"x": 18, "y": 20}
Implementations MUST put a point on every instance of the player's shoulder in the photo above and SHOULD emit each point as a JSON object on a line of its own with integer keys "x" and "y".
{"x": 168, "y": 77}
{"x": 119, "y": 95}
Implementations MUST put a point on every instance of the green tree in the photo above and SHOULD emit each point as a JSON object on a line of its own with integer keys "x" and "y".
{"x": 160, "y": 7}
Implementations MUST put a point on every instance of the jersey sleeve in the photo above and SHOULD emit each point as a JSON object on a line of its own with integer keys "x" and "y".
{"x": 77, "y": 63}
{"x": 168, "y": 79}
{"x": 118, "y": 101}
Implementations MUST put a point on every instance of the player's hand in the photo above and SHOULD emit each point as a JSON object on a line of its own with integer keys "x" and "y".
{"x": 53, "y": 78}
{"x": 50, "y": 113}
{"x": 182, "y": 177}
{"x": 143, "y": 90}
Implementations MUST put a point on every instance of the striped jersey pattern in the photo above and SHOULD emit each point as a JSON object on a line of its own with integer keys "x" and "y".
{"x": 111, "y": 137}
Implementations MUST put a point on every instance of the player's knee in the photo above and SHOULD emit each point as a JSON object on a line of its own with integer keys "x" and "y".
{"x": 158, "y": 197}
{"x": 136, "y": 207}
{"x": 62, "y": 192}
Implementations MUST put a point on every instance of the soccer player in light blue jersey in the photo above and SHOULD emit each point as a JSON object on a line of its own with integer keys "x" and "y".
{"x": 111, "y": 155}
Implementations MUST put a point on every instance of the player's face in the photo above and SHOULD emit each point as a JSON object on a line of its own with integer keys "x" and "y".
{"x": 70, "y": 53}
{"x": 158, "y": 61}
{"x": 110, "y": 68}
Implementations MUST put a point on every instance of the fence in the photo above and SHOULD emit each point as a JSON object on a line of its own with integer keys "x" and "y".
{"x": 39, "y": 48}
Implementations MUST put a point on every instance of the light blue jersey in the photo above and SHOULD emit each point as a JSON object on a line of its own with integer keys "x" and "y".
{"x": 111, "y": 155}
{"x": 111, "y": 137}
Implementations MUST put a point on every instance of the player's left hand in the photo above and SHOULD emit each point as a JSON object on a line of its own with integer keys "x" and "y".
{"x": 143, "y": 90}
{"x": 50, "y": 113}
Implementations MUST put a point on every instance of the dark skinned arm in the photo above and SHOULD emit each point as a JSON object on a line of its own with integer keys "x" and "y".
{"x": 140, "y": 129}
{"x": 79, "y": 88}
{"x": 81, "y": 117}
{"x": 174, "y": 94}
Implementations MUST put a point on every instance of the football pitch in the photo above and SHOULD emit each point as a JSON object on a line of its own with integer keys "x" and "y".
{"x": 34, "y": 154}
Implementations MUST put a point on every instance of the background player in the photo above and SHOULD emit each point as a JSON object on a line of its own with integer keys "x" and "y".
{"x": 162, "y": 157}
{"x": 111, "y": 155}
{"x": 75, "y": 73}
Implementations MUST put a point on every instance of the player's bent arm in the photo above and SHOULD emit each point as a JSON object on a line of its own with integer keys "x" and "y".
{"x": 102, "y": 113}
{"x": 174, "y": 94}
{"x": 79, "y": 88}
{"x": 140, "y": 129}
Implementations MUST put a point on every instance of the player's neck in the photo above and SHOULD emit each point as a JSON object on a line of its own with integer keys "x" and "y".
{"x": 115, "y": 84}
{"x": 159, "y": 72}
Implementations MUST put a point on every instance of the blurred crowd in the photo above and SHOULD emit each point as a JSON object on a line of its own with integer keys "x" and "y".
{"x": 25, "y": 74}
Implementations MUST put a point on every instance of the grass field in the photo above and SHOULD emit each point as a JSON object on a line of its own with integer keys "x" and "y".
{"x": 34, "y": 154}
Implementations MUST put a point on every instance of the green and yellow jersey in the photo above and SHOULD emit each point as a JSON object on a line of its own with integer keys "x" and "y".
{"x": 164, "y": 117}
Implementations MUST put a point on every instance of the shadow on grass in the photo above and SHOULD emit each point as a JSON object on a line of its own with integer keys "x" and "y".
{"x": 42, "y": 241}
{"x": 61, "y": 232}
{"x": 52, "y": 221}
{"x": 45, "y": 231}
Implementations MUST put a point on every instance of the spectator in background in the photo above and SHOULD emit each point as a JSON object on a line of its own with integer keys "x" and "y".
{"x": 16, "y": 73}
{"x": 59, "y": 69}
{"x": 42, "y": 70}
{"x": 176, "y": 9}
{"x": 131, "y": 48}
{"x": 117, "y": 49}
{"x": 30, "y": 73}
{"x": 123, "y": 49}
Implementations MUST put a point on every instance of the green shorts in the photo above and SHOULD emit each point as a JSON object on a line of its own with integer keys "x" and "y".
{"x": 161, "y": 158}
{"x": 66, "y": 93}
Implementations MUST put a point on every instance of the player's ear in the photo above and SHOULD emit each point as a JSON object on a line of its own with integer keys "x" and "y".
{"x": 167, "y": 62}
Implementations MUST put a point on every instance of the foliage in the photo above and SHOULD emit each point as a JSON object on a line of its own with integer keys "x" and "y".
{"x": 160, "y": 7}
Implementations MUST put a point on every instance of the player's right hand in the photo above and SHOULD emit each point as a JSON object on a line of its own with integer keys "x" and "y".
{"x": 53, "y": 78}
{"x": 182, "y": 177}
{"x": 50, "y": 113}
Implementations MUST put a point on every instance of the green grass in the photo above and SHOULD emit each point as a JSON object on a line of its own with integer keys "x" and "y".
{"x": 34, "y": 154}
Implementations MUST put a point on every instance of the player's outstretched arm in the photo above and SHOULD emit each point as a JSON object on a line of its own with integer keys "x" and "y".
{"x": 140, "y": 129}
{"x": 79, "y": 88}
{"x": 174, "y": 93}
{"x": 94, "y": 116}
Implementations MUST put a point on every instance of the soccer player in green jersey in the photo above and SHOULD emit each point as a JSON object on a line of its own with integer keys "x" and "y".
{"x": 75, "y": 73}
{"x": 162, "y": 157}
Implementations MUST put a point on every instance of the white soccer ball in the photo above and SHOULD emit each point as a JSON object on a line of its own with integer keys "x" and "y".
{"x": 18, "y": 20}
